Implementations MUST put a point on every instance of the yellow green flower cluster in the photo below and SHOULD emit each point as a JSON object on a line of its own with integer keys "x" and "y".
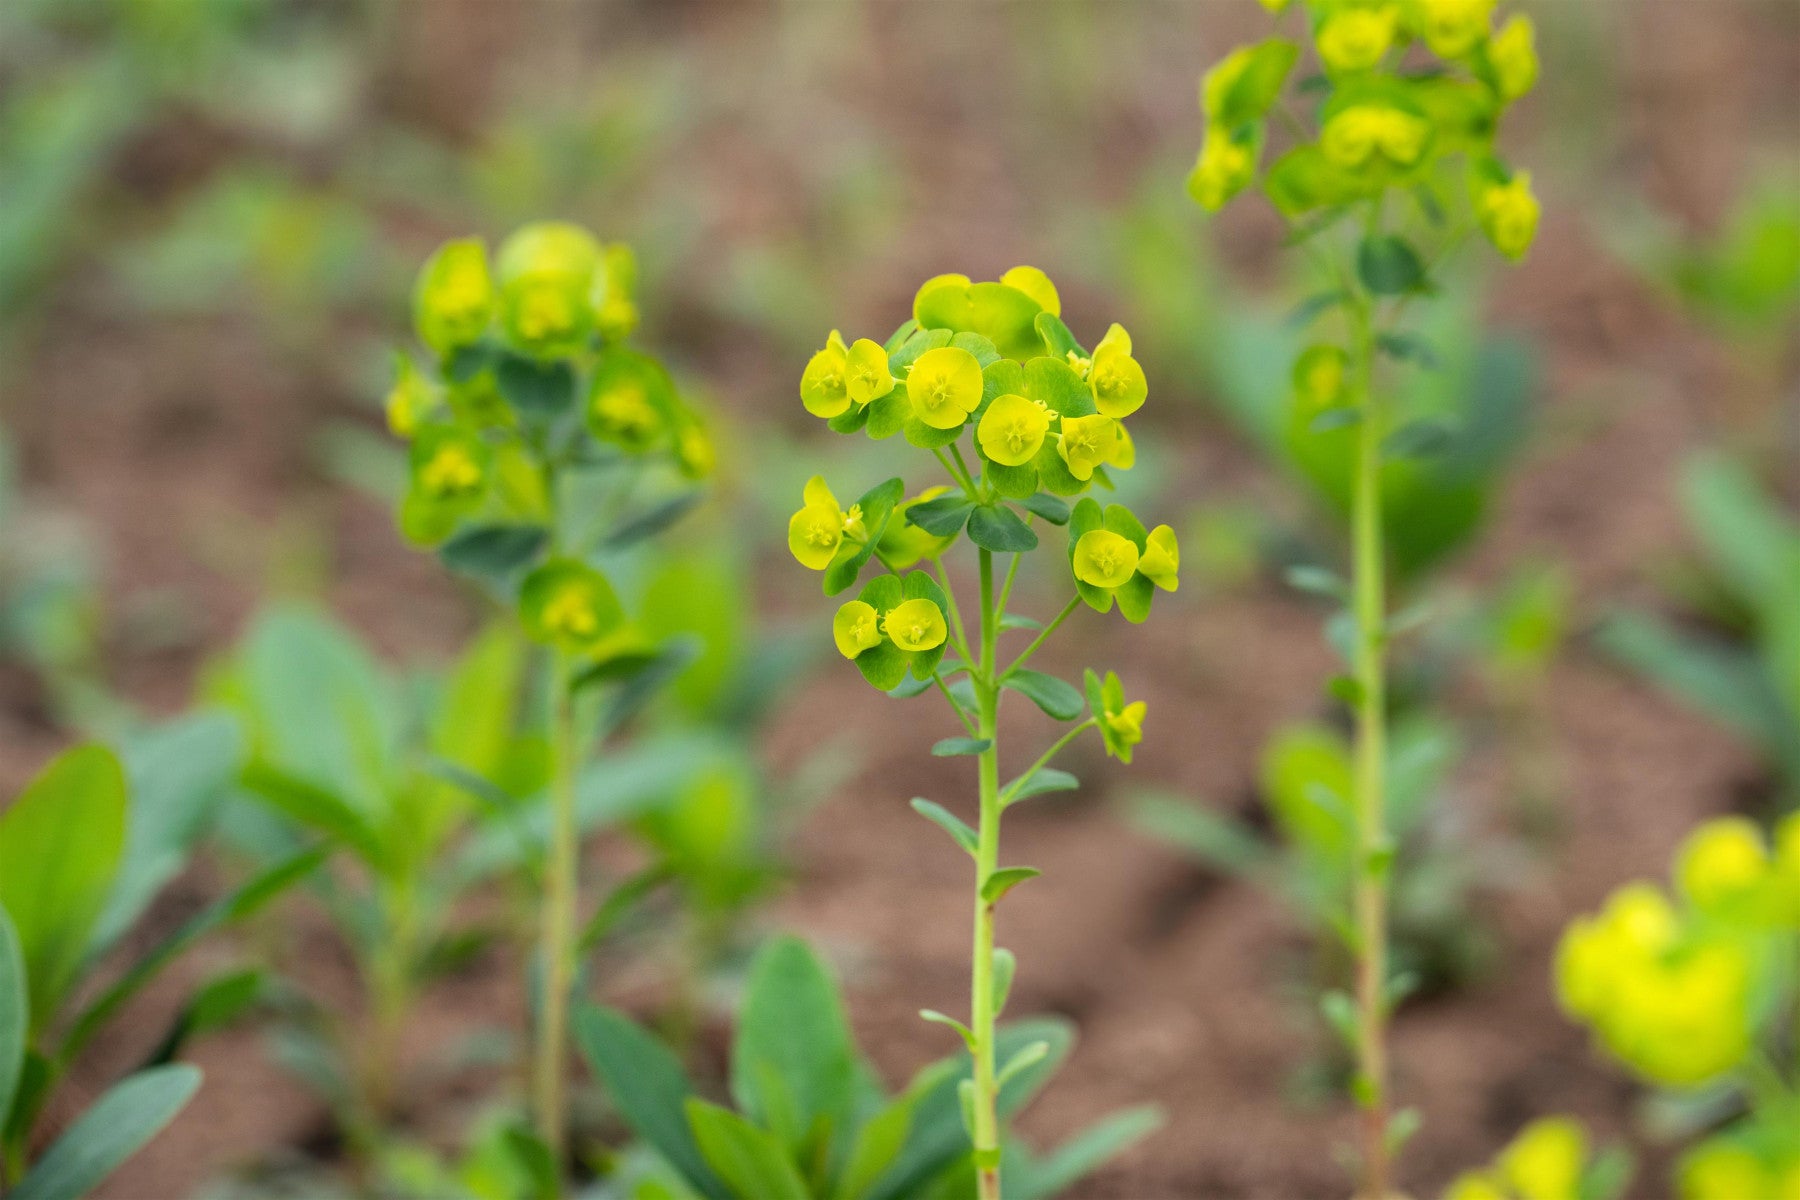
{"x": 995, "y": 357}
{"x": 895, "y": 624}
{"x": 1758, "y": 1157}
{"x": 1550, "y": 1159}
{"x": 1678, "y": 987}
{"x": 1380, "y": 125}
{"x": 528, "y": 365}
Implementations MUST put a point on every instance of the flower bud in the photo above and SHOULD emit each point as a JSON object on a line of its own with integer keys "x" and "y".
{"x": 453, "y": 302}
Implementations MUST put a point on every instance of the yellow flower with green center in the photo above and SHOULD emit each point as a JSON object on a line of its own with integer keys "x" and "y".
{"x": 1356, "y": 39}
{"x": 1354, "y": 137}
{"x": 1451, "y": 28}
{"x": 451, "y": 471}
{"x": 944, "y": 386}
{"x": 1012, "y": 430}
{"x": 866, "y": 369}
{"x": 411, "y": 399}
{"x": 621, "y": 412}
{"x": 1512, "y": 53}
{"x": 915, "y": 625}
{"x": 1037, "y": 285}
{"x": 567, "y": 604}
{"x": 547, "y": 314}
{"x": 1086, "y": 443}
{"x": 450, "y": 465}
{"x": 855, "y": 628}
{"x": 819, "y": 528}
{"x": 1226, "y": 166}
{"x": 825, "y": 384}
{"x": 1116, "y": 379}
{"x": 1105, "y": 559}
{"x": 1508, "y": 213}
{"x": 1160, "y": 561}
{"x": 1723, "y": 865}
{"x": 453, "y": 302}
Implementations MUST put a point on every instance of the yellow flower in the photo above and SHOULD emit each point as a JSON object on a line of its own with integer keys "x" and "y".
{"x": 1508, "y": 213}
{"x": 1121, "y": 724}
{"x": 1037, "y": 285}
{"x": 569, "y": 604}
{"x": 1513, "y": 54}
{"x": 694, "y": 452}
{"x": 1452, "y": 27}
{"x": 452, "y": 471}
{"x": 944, "y": 386}
{"x": 1012, "y": 430}
{"x": 1124, "y": 455}
{"x": 1086, "y": 443}
{"x": 915, "y": 625}
{"x": 1545, "y": 1161}
{"x": 453, "y": 303}
{"x": 1226, "y": 167}
{"x": 1354, "y": 136}
{"x": 1161, "y": 560}
{"x": 824, "y": 385}
{"x": 1718, "y": 1170}
{"x": 867, "y": 367}
{"x": 855, "y": 628}
{"x": 411, "y": 398}
{"x": 621, "y": 412}
{"x": 1116, "y": 379}
{"x": 819, "y": 528}
{"x": 1356, "y": 39}
{"x": 1722, "y": 864}
{"x": 1105, "y": 559}
{"x": 1319, "y": 376}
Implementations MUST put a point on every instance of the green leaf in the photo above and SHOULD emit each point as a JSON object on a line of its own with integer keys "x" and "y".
{"x": 1058, "y": 698}
{"x": 1335, "y": 418}
{"x": 496, "y": 553}
{"x": 1407, "y": 347}
{"x": 1340, "y": 1014}
{"x": 793, "y": 1026}
{"x": 888, "y": 415}
{"x": 1048, "y": 507}
{"x": 1057, "y": 338}
{"x": 60, "y": 845}
{"x": 941, "y": 517}
{"x": 1037, "y": 783}
{"x": 1721, "y": 680}
{"x": 1054, "y": 383}
{"x": 937, "y": 1018}
{"x": 1319, "y": 581}
{"x": 621, "y": 900}
{"x": 646, "y": 680}
{"x": 1389, "y": 266}
{"x": 998, "y": 528}
{"x": 1006, "y": 966}
{"x": 1418, "y": 439}
{"x": 176, "y": 775}
{"x": 650, "y": 1089}
{"x": 1016, "y": 621}
{"x": 538, "y": 391}
{"x": 1314, "y": 307}
{"x": 250, "y": 898}
{"x": 1005, "y": 880}
{"x": 319, "y": 810}
{"x": 653, "y": 520}
{"x": 1196, "y": 830}
{"x": 752, "y": 1161}
{"x": 1014, "y": 483}
{"x": 951, "y": 747}
{"x": 115, "y": 1128}
{"x": 215, "y": 1004}
{"x": 948, "y": 821}
{"x": 1026, "y": 1056}
{"x": 1257, "y": 85}
{"x": 15, "y": 1013}
{"x": 1081, "y": 1154}
{"x": 877, "y": 1144}
{"x": 877, "y": 506}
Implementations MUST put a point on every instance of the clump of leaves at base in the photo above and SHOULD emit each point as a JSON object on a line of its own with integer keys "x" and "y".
{"x": 809, "y": 1117}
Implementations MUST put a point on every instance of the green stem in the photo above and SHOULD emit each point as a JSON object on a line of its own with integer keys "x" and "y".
{"x": 957, "y": 630}
{"x": 987, "y": 860}
{"x": 956, "y": 708}
{"x": 1371, "y": 866}
{"x": 1012, "y": 573}
{"x": 968, "y": 475}
{"x": 1043, "y": 635}
{"x": 557, "y": 944}
{"x": 962, "y": 477}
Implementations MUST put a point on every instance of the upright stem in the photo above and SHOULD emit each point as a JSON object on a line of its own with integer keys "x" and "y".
{"x": 557, "y": 943}
{"x": 1371, "y": 867}
{"x": 987, "y": 861}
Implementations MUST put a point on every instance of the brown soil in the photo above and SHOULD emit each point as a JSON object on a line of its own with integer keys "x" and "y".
{"x": 186, "y": 448}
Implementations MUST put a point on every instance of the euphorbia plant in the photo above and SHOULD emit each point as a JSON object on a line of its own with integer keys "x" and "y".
{"x": 535, "y": 431}
{"x": 1044, "y": 419}
{"x": 1391, "y": 165}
